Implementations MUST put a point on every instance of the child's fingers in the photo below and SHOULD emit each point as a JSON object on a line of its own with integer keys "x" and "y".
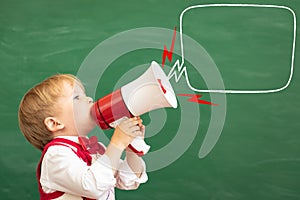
{"x": 135, "y": 128}
{"x": 134, "y": 122}
{"x": 143, "y": 128}
{"x": 133, "y": 132}
{"x": 140, "y": 121}
{"x": 137, "y": 133}
{"x": 131, "y": 127}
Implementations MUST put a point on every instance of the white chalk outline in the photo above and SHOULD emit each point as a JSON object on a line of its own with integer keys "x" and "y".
{"x": 180, "y": 66}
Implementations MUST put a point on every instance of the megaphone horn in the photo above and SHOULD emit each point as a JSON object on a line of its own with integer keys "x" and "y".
{"x": 151, "y": 91}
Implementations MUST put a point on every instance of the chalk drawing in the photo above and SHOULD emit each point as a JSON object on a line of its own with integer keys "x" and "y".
{"x": 180, "y": 68}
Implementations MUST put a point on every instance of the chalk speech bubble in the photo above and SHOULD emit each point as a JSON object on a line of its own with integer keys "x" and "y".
{"x": 241, "y": 5}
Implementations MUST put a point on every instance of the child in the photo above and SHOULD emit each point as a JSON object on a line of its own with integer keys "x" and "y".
{"x": 53, "y": 116}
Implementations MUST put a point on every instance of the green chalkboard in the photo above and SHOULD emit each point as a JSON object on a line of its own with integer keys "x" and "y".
{"x": 240, "y": 48}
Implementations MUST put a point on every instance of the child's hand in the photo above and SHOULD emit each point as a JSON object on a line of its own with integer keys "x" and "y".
{"x": 126, "y": 131}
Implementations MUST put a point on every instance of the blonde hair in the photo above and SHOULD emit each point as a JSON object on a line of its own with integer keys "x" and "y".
{"x": 39, "y": 103}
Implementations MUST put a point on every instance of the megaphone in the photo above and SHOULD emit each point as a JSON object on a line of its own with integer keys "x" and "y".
{"x": 152, "y": 90}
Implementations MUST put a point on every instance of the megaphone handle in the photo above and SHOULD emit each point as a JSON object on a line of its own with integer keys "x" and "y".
{"x": 139, "y": 146}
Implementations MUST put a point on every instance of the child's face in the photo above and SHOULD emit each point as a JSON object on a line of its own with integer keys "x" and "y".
{"x": 75, "y": 111}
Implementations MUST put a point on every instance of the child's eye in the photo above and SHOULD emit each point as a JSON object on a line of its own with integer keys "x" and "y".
{"x": 76, "y": 97}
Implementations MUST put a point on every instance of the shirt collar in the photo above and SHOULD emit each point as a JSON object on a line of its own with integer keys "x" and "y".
{"x": 72, "y": 138}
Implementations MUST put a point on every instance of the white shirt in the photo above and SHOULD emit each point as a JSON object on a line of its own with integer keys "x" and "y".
{"x": 62, "y": 170}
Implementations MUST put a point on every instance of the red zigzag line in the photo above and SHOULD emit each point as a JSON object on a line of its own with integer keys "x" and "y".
{"x": 196, "y": 98}
{"x": 167, "y": 53}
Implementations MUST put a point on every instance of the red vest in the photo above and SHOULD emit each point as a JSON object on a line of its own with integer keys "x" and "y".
{"x": 80, "y": 152}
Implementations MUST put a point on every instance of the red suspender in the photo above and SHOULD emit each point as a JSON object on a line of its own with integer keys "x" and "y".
{"x": 84, "y": 155}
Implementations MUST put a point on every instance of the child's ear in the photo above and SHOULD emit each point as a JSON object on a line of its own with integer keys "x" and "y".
{"x": 53, "y": 124}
